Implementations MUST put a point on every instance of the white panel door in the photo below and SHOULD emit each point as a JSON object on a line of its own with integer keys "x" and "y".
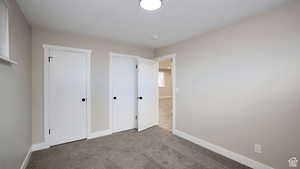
{"x": 124, "y": 92}
{"x": 148, "y": 94}
{"x": 67, "y": 93}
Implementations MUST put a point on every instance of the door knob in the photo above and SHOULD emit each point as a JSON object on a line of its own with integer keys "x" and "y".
{"x": 115, "y": 98}
{"x": 141, "y": 98}
{"x": 83, "y": 99}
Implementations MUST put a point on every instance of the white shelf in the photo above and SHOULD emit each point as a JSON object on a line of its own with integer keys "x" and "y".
{"x": 165, "y": 97}
{"x": 5, "y": 59}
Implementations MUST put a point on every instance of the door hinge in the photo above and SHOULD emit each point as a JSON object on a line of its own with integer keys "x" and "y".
{"x": 136, "y": 117}
{"x": 136, "y": 66}
{"x": 49, "y": 131}
{"x": 49, "y": 58}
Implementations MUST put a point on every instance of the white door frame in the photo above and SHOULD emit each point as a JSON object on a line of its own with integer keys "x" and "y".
{"x": 46, "y": 87}
{"x": 111, "y": 113}
{"x": 174, "y": 89}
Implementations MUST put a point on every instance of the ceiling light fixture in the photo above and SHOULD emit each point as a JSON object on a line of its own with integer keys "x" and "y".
{"x": 155, "y": 37}
{"x": 150, "y": 5}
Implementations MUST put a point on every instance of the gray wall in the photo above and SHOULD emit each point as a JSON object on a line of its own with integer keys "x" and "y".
{"x": 240, "y": 85}
{"x": 100, "y": 66}
{"x": 15, "y": 93}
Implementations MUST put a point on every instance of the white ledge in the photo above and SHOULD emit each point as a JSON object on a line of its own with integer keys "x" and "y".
{"x": 5, "y": 59}
{"x": 165, "y": 97}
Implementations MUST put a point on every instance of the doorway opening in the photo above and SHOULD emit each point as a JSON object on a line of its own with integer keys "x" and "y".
{"x": 165, "y": 85}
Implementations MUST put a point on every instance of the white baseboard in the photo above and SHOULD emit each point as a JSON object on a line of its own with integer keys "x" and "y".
{"x": 40, "y": 146}
{"x": 26, "y": 160}
{"x": 99, "y": 134}
{"x": 222, "y": 151}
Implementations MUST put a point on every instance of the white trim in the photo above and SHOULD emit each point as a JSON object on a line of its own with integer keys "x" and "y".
{"x": 89, "y": 95}
{"x": 165, "y": 97}
{"x": 222, "y": 151}
{"x": 119, "y": 54}
{"x": 39, "y": 146}
{"x": 8, "y": 60}
{"x": 7, "y": 38}
{"x": 99, "y": 134}
{"x": 26, "y": 160}
{"x": 110, "y": 104}
{"x": 45, "y": 92}
{"x": 111, "y": 54}
{"x": 8, "y": 35}
{"x": 88, "y": 52}
{"x": 173, "y": 57}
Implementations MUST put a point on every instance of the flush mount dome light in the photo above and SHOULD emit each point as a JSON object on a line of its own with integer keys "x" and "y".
{"x": 150, "y": 5}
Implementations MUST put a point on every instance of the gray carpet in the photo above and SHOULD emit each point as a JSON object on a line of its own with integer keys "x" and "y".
{"x": 155, "y": 148}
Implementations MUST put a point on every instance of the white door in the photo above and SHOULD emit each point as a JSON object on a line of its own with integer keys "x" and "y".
{"x": 124, "y": 92}
{"x": 67, "y": 91}
{"x": 148, "y": 94}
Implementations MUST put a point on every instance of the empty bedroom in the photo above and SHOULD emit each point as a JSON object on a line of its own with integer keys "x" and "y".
{"x": 149, "y": 84}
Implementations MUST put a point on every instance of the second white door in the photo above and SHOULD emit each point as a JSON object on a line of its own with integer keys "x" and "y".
{"x": 123, "y": 92}
{"x": 148, "y": 94}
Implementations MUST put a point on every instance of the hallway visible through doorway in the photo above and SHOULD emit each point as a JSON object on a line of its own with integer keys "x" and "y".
{"x": 165, "y": 94}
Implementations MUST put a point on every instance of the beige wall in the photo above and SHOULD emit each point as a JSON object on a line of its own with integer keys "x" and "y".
{"x": 164, "y": 66}
{"x": 100, "y": 66}
{"x": 15, "y": 93}
{"x": 167, "y": 90}
{"x": 240, "y": 85}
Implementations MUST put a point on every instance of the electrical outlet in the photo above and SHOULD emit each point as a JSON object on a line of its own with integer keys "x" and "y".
{"x": 258, "y": 148}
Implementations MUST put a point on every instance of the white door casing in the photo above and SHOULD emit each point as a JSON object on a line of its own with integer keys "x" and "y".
{"x": 148, "y": 94}
{"x": 123, "y": 92}
{"x": 67, "y": 90}
{"x": 174, "y": 87}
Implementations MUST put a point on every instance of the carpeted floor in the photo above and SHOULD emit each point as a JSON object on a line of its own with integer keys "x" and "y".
{"x": 155, "y": 148}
